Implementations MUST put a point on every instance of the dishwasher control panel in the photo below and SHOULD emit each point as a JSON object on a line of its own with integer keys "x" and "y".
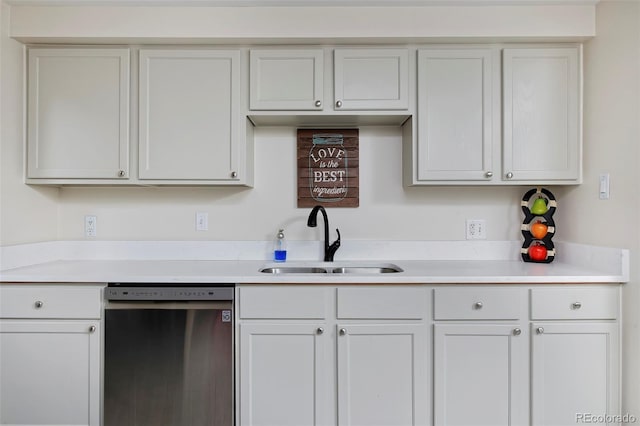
{"x": 160, "y": 293}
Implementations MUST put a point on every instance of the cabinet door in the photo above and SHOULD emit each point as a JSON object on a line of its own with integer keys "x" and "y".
{"x": 371, "y": 79}
{"x": 574, "y": 372}
{"x": 49, "y": 372}
{"x": 455, "y": 97}
{"x": 480, "y": 375}
{"x": 78, "y": 113}
{"x": 189, "y": 115}
{"x": 542, "y": 125}
{"x": 383, "y": 375}
{"x": 283, "y": 375}
{"x": 286, "y": 79}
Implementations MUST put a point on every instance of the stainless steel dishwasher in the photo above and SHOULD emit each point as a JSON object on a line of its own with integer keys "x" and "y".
{"x": 168, "y": 355}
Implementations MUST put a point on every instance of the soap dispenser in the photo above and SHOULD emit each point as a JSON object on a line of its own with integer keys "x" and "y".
{"x": 280, "y": 247}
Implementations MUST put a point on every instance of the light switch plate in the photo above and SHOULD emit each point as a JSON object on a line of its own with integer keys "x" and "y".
{"x": 202, "y": 221}
{"x": 604, "y": 186}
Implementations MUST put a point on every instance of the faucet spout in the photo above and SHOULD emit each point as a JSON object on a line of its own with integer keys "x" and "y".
{"x": 329, "y": 248}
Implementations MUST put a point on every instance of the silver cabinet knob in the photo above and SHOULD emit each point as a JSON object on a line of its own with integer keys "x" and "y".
{"x": 339, "y": 104}
{"x": 234, "y": 174}
{"x": 509, "y": 175}
{"x": 576, "y": 305}
{"x": 318, "y": 104}
{"x": 488, "y": 174}
{"x": 92, "y": 329}
{"x": 478, "y": 305}
{"x": 320, "y": 330}
{"x": 121, "y": 173}
{"x": 343, "y": 331}
{"x": 539, "y": 330}
{"x": 38, "y": 304}
{"x": 517, "y": 332}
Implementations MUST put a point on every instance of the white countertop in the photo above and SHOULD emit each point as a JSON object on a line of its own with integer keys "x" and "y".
{"x": 578, "y": 264}
{"x": 246, "y": 271}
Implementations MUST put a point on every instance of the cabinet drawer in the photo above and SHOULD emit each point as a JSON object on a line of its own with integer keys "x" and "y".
{"x": 382, "y": 303}
{"x": 477, "y": 303}
{"x": 574, "y": 303}
{"x": 286, "y": 302}
{"x": 50, "y": 301}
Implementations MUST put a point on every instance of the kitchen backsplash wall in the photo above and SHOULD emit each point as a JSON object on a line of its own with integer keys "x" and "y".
{"x": 388, "y": 210}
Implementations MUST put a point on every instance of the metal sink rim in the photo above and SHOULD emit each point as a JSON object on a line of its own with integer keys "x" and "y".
{"x": 276, "y": 270}
{"x": 329, "y": 268}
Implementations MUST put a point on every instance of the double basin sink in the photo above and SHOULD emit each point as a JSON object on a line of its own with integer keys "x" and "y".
{"x": 328, "y": 268}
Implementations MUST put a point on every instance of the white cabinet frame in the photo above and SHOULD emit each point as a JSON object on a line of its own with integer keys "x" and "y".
{"x": 455, "y": 115}
{"x": 189, "y": 115}
{"x": 78, "y": 113}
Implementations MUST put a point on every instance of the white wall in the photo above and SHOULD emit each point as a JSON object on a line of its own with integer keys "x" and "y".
{"x": 27, "y": 214}
{"x": 612, "y": 145}
{"x": 387, "y": 209}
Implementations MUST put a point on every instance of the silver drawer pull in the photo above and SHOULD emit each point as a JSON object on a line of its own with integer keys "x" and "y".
{"x": 576, "y": 305}
{"x": 38, "y": 304}
{"x": 478, "y": 305}
{"x": 343, "y": 331}
{"x": 517, "y": 332}
{"x": 92, "y": 329}
{"x": 320, "y": 330}
{"x": 539, "y": 330}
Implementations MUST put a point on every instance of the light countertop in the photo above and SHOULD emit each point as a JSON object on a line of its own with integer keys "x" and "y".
{"x": 580, "y": 264}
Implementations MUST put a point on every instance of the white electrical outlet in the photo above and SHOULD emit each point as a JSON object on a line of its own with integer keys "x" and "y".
{"x": 90, "y": 226}
{"x": 202, "y": 221}
{"x": 476, "y": 229}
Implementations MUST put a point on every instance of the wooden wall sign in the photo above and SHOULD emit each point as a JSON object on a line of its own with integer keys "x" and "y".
{"x": 328, "y": 168}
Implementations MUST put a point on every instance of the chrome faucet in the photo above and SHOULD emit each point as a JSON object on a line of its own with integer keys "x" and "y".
{"x": 329, "y": 249}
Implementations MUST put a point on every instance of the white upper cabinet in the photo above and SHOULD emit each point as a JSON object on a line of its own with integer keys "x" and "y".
{"x": 78, "y": 113}
{"x": 542, "y": 125}
{"x": 289, "y": 79}
{"x": 190, "y": 127}
{"x": 365, "y": 79}
{"x": 455, "y": 99}
{"x": 371, "y": 79}
{"x": 458, "y": 139}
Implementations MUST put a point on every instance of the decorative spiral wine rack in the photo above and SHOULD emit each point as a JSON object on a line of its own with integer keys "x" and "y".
{"x": 532, "y": 215}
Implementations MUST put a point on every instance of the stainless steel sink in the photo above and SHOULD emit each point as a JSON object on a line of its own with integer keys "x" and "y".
{"x": 366, "y": 269}
{"x": 294, "y": 270}
{"x": 355, "y": 268}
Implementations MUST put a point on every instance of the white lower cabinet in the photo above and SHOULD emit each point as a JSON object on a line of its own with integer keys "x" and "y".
{"x": 575, "y": 352}
{"x": 382, "y": 374}
{"x": 480, "y": 374}
{"x": 574, "y": 372}
{"x": 352, "y": 355}
{"x": 49, "y": 365}
{"x": 334, "y": 371}
{"x": 284, "y": 377}
{"x": 480, "y": 356}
